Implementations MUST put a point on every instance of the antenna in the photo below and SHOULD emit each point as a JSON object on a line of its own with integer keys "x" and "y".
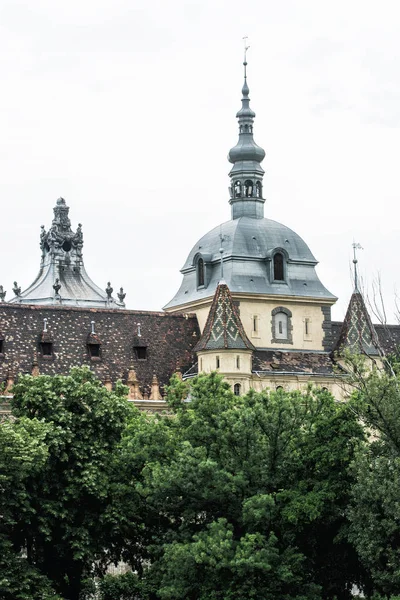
{"x": 356, "y": 246}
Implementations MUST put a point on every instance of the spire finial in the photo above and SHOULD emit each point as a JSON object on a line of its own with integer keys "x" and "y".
{"x": 356, "y": 246}
{"x": 246, "y": 47}
{"x": 221, "y": 252}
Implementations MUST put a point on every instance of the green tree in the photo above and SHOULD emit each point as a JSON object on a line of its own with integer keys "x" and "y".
{"x": 246, "y": 497}
{"x": 69, "y": 522}
{"x": 375, "y": 507}
{"x": 23, "y": 453}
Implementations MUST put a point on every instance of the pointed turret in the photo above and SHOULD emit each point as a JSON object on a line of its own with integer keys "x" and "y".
{"x": 247, "y": 173}
{"x": 358, "y": 333}
{"x": 223, "y": 329}
{"x": 62, "y": 277}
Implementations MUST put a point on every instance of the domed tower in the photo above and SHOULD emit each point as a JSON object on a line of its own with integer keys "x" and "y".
{"x": 268, "y": 268}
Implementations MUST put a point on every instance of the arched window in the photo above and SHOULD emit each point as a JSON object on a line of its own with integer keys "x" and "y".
{"x": 246, "y": 128}
{"x": 278, "y": 267}
{"x": 237, "y": 389}
{"x": 258, "y": 189}
{"x": 282, "y": 325}
{"x": 279, "y": 388}
{"x": 200, "y": 272}
{"x": 238, "y": 189}
{"x": 248, "y": 188}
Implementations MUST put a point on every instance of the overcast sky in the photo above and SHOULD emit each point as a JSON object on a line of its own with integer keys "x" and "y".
{"x": 126, "y": 108}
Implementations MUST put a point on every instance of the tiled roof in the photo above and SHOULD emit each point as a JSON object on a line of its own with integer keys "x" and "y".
{"x": 274, "y": 361}
{"x": 223, "y": 329}
{"x": 357, "y": 333}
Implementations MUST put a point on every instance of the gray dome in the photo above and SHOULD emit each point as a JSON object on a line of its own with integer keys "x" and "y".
{"x": 249, "y": 245}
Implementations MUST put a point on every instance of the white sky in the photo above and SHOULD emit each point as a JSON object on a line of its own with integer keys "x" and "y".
{"x": 126, "y": 108}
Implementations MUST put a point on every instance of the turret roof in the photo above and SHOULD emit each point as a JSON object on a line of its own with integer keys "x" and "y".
{"x": 223, "y": 329}
{"x": 357, "y": 332}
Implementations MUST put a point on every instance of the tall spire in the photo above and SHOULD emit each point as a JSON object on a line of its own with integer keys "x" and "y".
{"x": 247, "y": 173}
{"x": 355, "y": 262}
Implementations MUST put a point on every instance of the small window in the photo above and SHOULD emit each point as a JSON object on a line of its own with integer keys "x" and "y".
{"x": 94, "y": 350}
{"x": 1, "y": 346}
{"x": 237, "y": 389}
{"x": 238, "y": 362}
{"x": 255, "y": 324}
{"x": 201, "y": 364}
{"x": 141, "y": 352}
{"x": 217, "y": 362}
{"x": 238, "y": 189}
{"x": 278, "y": 267}
{"x": 258, "y": 189}
{"x": 325, "y": 389}
{"x": 307, "y": 326}
{"x": 47, "y": 348}
{"x": 200, "y": 272}
{"x": 279, "y": 388}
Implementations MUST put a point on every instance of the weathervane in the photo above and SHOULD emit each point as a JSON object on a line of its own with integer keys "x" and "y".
{"x": 356, "y": 246}
{"x": 246, "y": 47}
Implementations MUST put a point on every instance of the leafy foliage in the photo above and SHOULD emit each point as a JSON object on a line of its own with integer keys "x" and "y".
{"x": 374, "y": 511}
{"x": 67, "y": 523}
{"x": 245, "y": 497}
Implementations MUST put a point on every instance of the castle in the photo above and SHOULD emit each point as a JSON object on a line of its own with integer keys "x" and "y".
{"x": 250, "y": 306}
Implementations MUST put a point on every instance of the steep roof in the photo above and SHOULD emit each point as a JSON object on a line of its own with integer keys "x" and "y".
{"x": 357, "y": 332}
{"x": 223, "y": 329}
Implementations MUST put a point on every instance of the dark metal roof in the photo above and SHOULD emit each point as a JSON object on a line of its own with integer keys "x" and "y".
{"x": 249, "y": 245}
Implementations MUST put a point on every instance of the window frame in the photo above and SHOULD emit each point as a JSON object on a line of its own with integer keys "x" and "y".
{"x": 288, "y": 313}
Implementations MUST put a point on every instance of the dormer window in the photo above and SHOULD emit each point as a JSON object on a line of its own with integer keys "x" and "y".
{"x": 200, "y": 272}
{"x": 141, "y": 352}
{"x": 278, "y": 266}
{"x": 46, "y": 348}
{"x": 94, "y": 350}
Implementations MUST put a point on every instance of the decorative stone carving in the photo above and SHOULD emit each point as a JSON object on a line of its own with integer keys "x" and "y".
{"x": 57, "y": 287}
{"x": 133, "y": 384}
{"x": 17, "y": 289}
{"x": 121, "y": 295}
{"x": 109, "y": 291}
{"x": 155, "y": 389}
{"x": 35, "y": 366}
{"x": 2, "y": 294}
